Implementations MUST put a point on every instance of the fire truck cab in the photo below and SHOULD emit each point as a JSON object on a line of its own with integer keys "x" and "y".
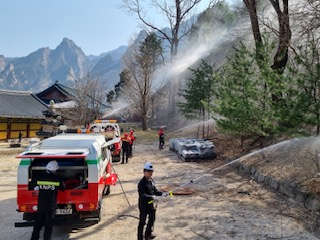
{"x": 85, "y": 167}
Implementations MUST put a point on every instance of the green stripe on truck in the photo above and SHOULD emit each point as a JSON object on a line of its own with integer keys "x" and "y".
{"x": 25, "y": 162}
{"x": 95, "y": 161}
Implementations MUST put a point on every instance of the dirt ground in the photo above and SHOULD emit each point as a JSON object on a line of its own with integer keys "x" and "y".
{"x": 225, "y": 204}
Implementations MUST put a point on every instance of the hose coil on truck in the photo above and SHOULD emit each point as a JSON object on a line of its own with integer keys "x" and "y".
{"x": 85, "y": 167}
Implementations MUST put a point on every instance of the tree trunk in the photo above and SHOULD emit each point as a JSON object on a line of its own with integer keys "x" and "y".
{"x": 252, "y": 9}
{"x": 144, "y": 113}
{"x": 281, "y": 57}
{"x": 284, "y": 38}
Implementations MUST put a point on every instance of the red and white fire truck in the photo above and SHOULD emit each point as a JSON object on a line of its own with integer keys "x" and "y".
{"x": 84, "y": 165}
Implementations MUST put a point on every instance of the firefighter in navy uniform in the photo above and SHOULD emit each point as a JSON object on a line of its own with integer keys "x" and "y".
{"x": 48, "y": 186}
{"x": 147, "y": 190}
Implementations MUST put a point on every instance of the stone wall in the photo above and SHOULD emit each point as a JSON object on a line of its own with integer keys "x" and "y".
{"x": 288, "y": 187}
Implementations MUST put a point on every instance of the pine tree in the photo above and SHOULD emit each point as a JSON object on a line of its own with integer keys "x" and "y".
{"x": 307, "y": 73}
{"x": 198, "y": 92}
{"x": 244, "y": 102}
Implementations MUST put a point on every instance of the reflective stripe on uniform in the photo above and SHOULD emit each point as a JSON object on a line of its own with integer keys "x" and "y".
{"x": 48, "y": 183}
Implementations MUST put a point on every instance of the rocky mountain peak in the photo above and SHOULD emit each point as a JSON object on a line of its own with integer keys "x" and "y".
{"x": 68, "y": 45}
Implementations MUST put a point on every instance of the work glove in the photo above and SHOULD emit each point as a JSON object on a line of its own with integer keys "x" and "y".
{"x": 165, "y": 194}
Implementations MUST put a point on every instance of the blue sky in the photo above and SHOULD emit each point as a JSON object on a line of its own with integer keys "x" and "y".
{"x": 97, "y": 26}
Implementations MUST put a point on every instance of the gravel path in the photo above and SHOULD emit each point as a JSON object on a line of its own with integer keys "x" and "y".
{"x": 225, "y": 205}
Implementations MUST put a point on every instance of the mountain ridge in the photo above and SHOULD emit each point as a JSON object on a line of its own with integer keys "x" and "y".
{"x": 67, "y": 62}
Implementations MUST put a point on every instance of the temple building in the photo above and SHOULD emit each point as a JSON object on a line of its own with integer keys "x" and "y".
{"x": 21, "y": 112}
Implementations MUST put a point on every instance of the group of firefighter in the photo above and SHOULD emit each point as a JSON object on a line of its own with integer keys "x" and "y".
{"x": 127, "y": 145}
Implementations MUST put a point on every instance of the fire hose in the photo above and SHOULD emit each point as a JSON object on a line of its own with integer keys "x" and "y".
{"x": 124, "y": 193}
{"x": 170, "y": 193}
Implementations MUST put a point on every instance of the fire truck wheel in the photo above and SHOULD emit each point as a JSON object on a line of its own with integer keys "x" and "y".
{"x": 106, "y": 190}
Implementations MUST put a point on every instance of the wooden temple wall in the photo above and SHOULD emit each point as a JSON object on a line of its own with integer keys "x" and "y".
{"x": 11, "y": 127}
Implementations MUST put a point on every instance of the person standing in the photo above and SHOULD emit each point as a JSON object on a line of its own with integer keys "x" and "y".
{"x": 161, "y": 138}
{"x": 132, "y": 138}
{"x": 125, "y": 148}
{"x": 48, "y": 186}
{"x": 20, "y": 137}
{"x": 147, "y": 190}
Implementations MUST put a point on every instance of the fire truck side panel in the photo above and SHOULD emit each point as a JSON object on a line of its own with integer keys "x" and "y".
{"x": 23, "y": 171}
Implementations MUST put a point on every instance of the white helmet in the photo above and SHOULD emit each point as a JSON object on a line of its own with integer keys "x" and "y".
{"x": 148, "y": 166}
{"x": 52, "y": 166}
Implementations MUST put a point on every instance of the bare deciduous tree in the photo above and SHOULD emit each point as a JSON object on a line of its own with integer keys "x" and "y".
{"x": 142, "y": 62}
{"x": 175, "y": 12}
{"x": 90, "y": 99}
{"x": 306, "y": 16}
{"x": 281, "y": 8}
{"x": 283, "y": 33}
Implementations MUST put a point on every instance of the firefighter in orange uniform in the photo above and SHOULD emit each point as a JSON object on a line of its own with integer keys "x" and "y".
{"x": 132, "y": 138}
{"x": 161, "y": 138}
{"x": 126, "y": 142}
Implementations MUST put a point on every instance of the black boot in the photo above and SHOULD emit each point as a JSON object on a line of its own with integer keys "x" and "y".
{"x": 150, "y": 237}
